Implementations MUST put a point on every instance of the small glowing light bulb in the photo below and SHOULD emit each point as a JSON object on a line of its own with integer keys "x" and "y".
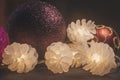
{"x": 20, "y": 58}
{"x": 83, "y": 32}
{"x": 96, "y": 58}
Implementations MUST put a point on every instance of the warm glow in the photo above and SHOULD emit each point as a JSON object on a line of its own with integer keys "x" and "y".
{"x": 96, "y": 58}
{"x": 74, "y": 53}
{"x": 82, "y": 32}
{"x": 20, "y": 58}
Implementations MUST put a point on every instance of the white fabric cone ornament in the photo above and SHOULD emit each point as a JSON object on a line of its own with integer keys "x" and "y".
{"x": 20, "y": 57}
{"x": 81, "y": 31}
{"x": 79, "y": 52}
{"x": 100, "y": 59}
{"x": 58, "y": 57}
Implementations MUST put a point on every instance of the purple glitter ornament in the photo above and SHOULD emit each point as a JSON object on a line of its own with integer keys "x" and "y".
{"x": 4, "y": 41}
{"x": 38, "y": 24}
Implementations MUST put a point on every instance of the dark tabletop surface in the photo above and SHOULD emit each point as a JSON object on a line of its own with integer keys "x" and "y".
{"x": 42, "y": 73}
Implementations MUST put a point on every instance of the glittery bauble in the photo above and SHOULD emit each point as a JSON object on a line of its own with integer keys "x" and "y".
{"x": 107, "y": 35}
{"x": 36, "y": 23}
{"x": 4, "y": 41}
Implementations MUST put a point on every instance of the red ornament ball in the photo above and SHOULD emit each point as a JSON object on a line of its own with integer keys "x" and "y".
{"x": 107, "y": 35}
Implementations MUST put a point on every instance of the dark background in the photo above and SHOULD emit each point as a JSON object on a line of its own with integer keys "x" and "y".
{"x": 105, "y": 12}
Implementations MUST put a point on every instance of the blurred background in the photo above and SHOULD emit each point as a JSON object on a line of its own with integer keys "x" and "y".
{"x": 105, "y": 12}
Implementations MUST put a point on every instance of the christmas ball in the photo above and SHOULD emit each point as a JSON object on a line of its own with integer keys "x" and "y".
{"x": 36, "y": 23}
{"x": 4, "y": 41}
{"x": 107, "y": 35}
